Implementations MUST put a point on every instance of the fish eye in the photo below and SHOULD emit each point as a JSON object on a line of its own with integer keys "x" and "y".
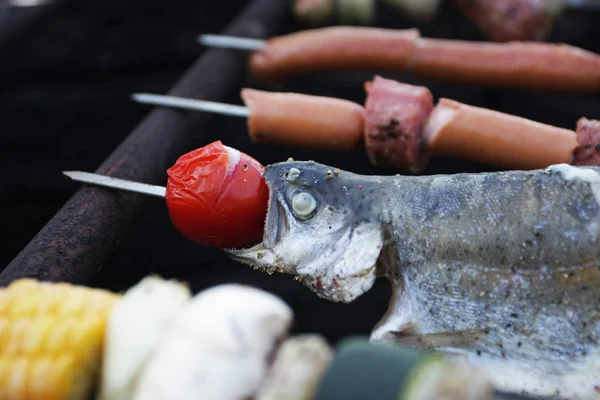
{"x": 303, "y": 204}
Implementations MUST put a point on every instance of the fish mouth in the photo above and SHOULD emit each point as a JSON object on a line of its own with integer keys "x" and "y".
{"x": 276, "y": 224}
{"x": 262, "y": 255}
{"x": 342, "y": 287}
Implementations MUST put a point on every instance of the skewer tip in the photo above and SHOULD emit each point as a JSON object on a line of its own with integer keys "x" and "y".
{"x": 190, "y": 104}
{"x": 70, "y": 174}
{"x": 137, "y": 96}
{"x": 116, "y": 183}
{"x": 231, "y": 42}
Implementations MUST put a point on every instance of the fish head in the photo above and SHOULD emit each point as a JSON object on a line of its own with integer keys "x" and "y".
{"x": 322, "y": 225}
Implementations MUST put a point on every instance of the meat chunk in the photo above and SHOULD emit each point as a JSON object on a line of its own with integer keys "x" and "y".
{"x": 588, "y": 136}
{"x": 395, "y": 116}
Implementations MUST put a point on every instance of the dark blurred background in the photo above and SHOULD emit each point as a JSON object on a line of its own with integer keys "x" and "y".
{"x": 65, "y": 83}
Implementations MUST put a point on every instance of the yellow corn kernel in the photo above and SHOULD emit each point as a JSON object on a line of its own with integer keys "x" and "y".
{"x": 3, "y": 329}
{"x": 15, "y": 388}
{"x": 28, "y": 298}
{"x": 42, "y": 378}
{"x": 53, "y": 379}
{"x": 5, "y": 369}
{"x": 58, "y": 337}
{"x": 5, "y": 302}
{"x": 25, "y": 304}
{"x": 51, "y": 339}
{"x": 32, "y": 341}
{"x": 15, "y": 329}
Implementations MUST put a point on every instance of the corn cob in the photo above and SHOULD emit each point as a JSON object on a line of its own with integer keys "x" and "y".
{"x": 51, "y": 338}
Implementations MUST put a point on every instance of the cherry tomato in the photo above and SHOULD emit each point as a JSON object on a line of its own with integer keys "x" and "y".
{"x": 217, "y": 196}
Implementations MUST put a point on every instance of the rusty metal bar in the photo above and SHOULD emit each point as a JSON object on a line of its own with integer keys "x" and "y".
{"x": 79, "y": 238}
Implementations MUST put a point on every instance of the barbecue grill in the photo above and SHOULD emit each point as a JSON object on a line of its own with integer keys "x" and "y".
{"x": 68, "y": 69}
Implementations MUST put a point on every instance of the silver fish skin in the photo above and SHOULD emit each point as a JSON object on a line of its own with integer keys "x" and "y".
{"x": 503, "y": 267}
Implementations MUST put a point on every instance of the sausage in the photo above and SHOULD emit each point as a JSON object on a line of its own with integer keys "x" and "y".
{"x": 331, "y": 49}
{"x": 395, "y": 116}
{"x": 494, "y": 138}
{"x": 504, "y": 20}
{"x": 530, "y": 65}
{"x": 303, "y": 120}
{"x": 588, "y": 136}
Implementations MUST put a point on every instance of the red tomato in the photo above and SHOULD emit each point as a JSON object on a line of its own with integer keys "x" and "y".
{"x": 217, "y": 196}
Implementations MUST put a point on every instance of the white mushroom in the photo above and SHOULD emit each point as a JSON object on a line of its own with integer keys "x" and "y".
{"x": 217, "y": 347}
{"x": 298, "y": 369}
{"x": 134, "y": 328}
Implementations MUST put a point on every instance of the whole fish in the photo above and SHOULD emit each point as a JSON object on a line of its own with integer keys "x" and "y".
{"x": 502, "y": 268}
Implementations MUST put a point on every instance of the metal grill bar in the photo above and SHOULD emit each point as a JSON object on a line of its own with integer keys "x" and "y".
{"x": 85, "y": 231}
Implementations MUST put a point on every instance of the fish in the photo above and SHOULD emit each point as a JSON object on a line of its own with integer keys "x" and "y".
{"x": 499, "y": 268}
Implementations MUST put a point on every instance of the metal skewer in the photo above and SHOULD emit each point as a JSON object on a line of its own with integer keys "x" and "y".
{"x": 231, "y": 42}
{"x": 191, "y": 104}
{"x": 116, "y": 183}
{"x": 241, "y": 43}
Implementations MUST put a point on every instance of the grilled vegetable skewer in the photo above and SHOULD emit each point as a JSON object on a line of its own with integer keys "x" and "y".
{"x": 401, "y": 128}
{"x": 57, "y": 337}
{"x": 528, "y": 65}
{"x": 53, "y": 336}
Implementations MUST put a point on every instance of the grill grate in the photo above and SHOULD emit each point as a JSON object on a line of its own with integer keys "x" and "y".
{"x": 95, "y": 227}
{"x": 86, "y": 230}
